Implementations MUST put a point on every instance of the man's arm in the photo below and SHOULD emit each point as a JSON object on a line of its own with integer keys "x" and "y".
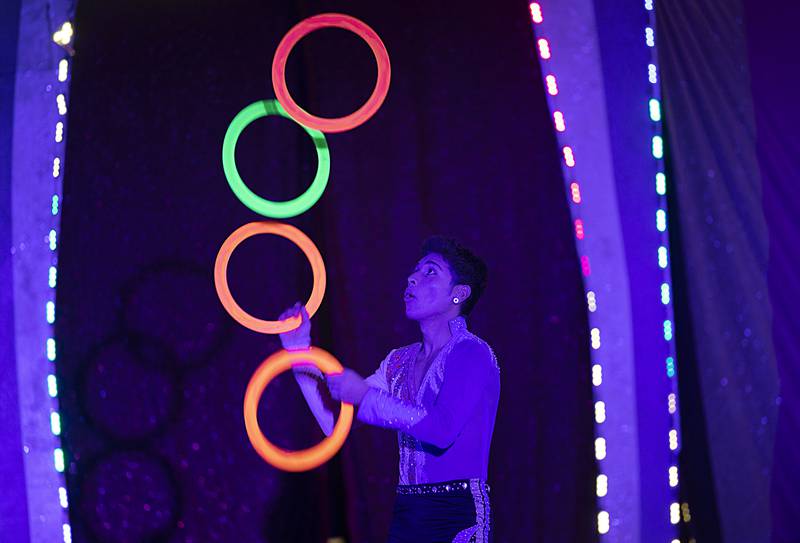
{"x": 313, "y": 385}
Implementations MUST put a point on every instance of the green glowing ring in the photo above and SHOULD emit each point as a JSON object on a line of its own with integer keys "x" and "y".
{"x": 262, "y": 206}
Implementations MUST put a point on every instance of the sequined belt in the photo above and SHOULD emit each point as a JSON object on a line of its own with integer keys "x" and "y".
{"x": 462, "y": 485}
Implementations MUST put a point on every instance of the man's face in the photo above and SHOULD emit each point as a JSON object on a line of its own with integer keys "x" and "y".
{"x": 430, "y": 288}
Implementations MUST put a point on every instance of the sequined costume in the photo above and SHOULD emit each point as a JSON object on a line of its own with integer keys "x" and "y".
{"x": 444, "y": 428}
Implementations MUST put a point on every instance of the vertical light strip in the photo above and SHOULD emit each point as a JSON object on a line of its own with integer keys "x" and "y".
{"x": 654, "y": 112}
{"x": 571, "y": 156}
{"x": 62, "y": 37}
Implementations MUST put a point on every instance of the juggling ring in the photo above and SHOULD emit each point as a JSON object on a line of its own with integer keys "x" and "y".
{"x": 280, "y": 458}
{"x": 279, "y": 229}
{"x": 262, "y": 206}
{"x": 325, "y": 20}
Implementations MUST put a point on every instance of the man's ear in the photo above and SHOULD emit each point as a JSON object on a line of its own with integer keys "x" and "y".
{"x": 462, "y": 291}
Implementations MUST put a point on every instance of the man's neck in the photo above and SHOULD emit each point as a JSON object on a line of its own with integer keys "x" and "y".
{"x": 435, "y": 333}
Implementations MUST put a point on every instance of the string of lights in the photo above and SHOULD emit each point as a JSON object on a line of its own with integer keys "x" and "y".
{"x": 657, "y": 145}
{"x": 62, "y": 37}
{"x": 581, "y": 230}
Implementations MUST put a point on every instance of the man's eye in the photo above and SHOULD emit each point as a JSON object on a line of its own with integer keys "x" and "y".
{"x": 431, "y": 270}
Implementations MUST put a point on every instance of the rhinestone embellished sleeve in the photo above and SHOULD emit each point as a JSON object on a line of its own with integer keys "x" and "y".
{"x": 380, "y": 408}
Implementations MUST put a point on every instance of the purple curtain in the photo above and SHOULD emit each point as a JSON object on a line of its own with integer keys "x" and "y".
{"x": 731, "y": 111}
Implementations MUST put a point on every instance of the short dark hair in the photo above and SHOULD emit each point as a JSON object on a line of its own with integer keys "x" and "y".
{"x": 465, "y": 267}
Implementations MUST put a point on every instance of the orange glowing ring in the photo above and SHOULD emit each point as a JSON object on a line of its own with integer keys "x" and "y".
{"x": 300, "y": 30}
{"x": 306, "y": 459}
{"x": 279, "y": 229}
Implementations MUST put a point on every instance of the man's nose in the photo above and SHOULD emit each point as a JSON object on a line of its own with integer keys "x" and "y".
{"x": 411, "y": 281}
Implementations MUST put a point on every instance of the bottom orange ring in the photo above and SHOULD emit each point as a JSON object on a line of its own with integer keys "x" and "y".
{"x": 306, "y": 459}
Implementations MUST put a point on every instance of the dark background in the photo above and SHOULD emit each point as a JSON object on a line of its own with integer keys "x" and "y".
{"x": 154, "y": 371}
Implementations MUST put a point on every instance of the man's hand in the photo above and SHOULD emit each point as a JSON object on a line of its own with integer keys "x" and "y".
{"x": 298, "y": 339}
{"x": 348, "y": 387}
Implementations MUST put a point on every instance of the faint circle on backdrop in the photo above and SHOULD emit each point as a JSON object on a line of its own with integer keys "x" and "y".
{"x": 173, "y": 302}
{"x": 125, "y": 399}
{"x": 305, "y": 459}
{"x": 129, "y": 496}
{"x": 329, "y": 20}
{"x": 262, "y": 206}
{"x": 296, "y": 236}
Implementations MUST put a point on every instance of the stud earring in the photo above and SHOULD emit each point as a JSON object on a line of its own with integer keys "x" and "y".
{"x": 455, "y": 300}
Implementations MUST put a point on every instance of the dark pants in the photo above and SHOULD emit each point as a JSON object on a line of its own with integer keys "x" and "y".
{"x": 452, "y": 511}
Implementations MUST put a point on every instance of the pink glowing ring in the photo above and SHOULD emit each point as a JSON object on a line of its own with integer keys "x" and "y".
{"x": 300, "y": 30}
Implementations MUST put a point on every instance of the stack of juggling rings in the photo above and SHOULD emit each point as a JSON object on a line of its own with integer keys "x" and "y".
{"x": 283, "y": 360}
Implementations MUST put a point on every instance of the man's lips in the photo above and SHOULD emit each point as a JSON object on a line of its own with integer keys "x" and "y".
{"x": 408, "y": 296}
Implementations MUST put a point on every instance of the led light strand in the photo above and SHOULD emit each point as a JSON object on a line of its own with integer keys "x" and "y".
{"x": 655, "y": 114}
{"x": 62, "y": 37}
{"x": 570, "y": 158}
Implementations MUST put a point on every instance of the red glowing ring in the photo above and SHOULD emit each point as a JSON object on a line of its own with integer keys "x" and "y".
{"x": 306, "y": 459}
{"x": 294, "y": 235}
{"x": 300, "y": 30}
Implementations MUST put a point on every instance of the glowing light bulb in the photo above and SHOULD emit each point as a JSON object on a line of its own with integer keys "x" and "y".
{"x": 655, "y": 110}
{"x": 665, "y": 293}
{"x": 552, "y": 86}
{"x": 61, "y": 102}
{"x": 58, "y": 460}
{"x": 52, "y": 387}
{"x": 673, "y": 476}
{"x": 649, "y": 37}
{"x": 62, "y": 497}
{"x": 674, "y": 513}
{"x": 52, "y": 274}
{"x": 661, "y": 220}
{"x": 600, "y": 412}
{"x": 602, "y": 485}
{"x": 575, "y": 191}
{"x": 597, "y": 375}
{"x": 658, "y": 147}
{"x": 536, "y": 13}
{"x": 544, "y": 48}
{"x": 55, "y": 423}
{"x": 591, "y": 300}
{"x": 685, "y": 511}
{"x": 662, "y": 257}
{"x": 63, "y": 35}
{"x": 600, "y": 448}
{"x": 595, "y": 335}
{"x": 569, "y": 157}
{"x": 670, "y": 367}
{"x": 558, "y": 119}
{"x": 603, "y": 522}
{"x": 59, "y": 132}
{"x": 586, "y": 268}
{"x": 579, "y": 229}
{"x": 50, "y": 311}
{"x": 673, "y": 439}
{"x": 63, "y": 67}
{"x": 671, "y": 403}
{"x": 661, "y": 184}
{"x": 652, "y": 73}
{"x": 51, "y": 349}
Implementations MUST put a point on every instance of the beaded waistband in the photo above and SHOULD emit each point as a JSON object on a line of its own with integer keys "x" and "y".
{"x": 460, "y": 486}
